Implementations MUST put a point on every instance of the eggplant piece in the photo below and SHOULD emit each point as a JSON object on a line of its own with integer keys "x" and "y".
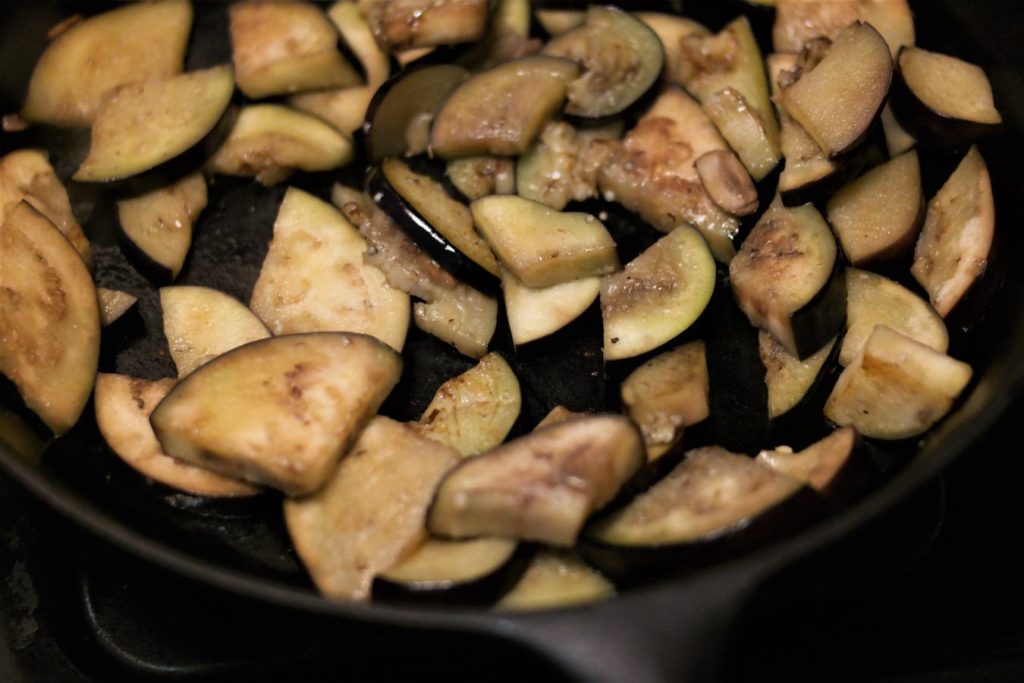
{"x": 279, "y": 411}
{"x": 50, "y": 336}
{"x": 620, "y": 59}
{"x": 564, "y": 164}
{"x": 673, "y": 31}
{"x": 788, "y": 378}
{"x": 476, "y": 177}
{"x": 877, "y": 216}
{"x": 145, "y": 124}
{"x": 666, "y": 395}
{"x": 135, "y": 43}
{"x": 123, "y": 407}
{"x": 658, "y": 295}
{"x": 270, "y": 141}
{"x": 464, "y": 318}
{"x": 727, "y": 182}
{"x": 403, "y": 24}
{"x": 556, "y": 580}
{"x": 543, "y": 247}
{"x": 943, "y": 100}
{"x": 558, "y": 21}
{"x": 756, "y": 143}
{"x": 357, "y": 35}
{"x": 541, "y": 486}
{"x": 831, "y": 466}
{"x": 788, "y": 279}
{"x": 113, "y": 304}
{"x": 156, "y": 227}
{"x": 202, "y": 323}
{"x": 896, "y": 387}
{"x": 557, "y": 415}
{"x": 26, "y": 174}
{"x": 535, "y": 313}
{"x": 897, "y": 140}
{"x": 797, "y": 22}
{"x": 502, "y": 110}
{"x": 952, "y": 251}
{"x": 507, "y": 37}
{"x": 651, "y": 172}
{"x": 348, "y": 532}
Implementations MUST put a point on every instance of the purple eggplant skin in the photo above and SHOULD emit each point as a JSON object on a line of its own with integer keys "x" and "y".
{"x": 849, "y": 167}
{"x": 823, "y": 316}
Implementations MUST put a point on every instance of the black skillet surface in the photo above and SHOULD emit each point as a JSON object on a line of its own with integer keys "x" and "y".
{"x": 654, "y": 632}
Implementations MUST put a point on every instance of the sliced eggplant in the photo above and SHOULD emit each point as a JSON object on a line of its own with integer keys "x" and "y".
{"x": 202, "y": 323}
{"x": 558, "y": 21}
{"x": 145, "y": 124}
{"x": 797, "y": 22}
{"x": 877, "y": 216}
{"x": 657, "y": 295}
{"x": 564, "y": 164}
{"x": 463, "y": 317}
{"x": 651, "y": 172}
{"x": 953, "y": 249}
{"x": 279, "y": 48}
{"x": 403, "y": 24}
{"x": 507, "y": 37}
{"x": 838, "y": 101}
{"x": 875, "y": 300}
{"x": 348, "y": 532}
{"x": 477, "y": 177}
{"x": 536, "y": 313}
{"x": 757, "y": 145}
{"x": 556, "y": 580}
{"x": 344, "y": 109}
{"x": 673, "y": 31}
{"x": 896, "y": 387}
{"x": 943, "y": 100}
{"x": 280, "y": 411}
{"x": 134, "y": 43}
{"x": 541, "y": 246}
{"x": 897, "y": 139}
{"x": 727, "y": 182}
{"x": 620, "y": 59}
{"x": 822, "y": 466}
{"x": 667, "y": 394}
{"x": 541, "y": 486}
{"x": 314, "y": 277}
{"x": 113, "y": 304}
{"x": 558, "y": 414}
{"x": 123, "y": 406}
{"x": 50, "y": 336}
{"x": 358, "y": 36}
{"x": 788, "y": 279}
{"x": 157, "y": 225}
{"x": 789, "y": 379}
{"x": 502, "y": 110}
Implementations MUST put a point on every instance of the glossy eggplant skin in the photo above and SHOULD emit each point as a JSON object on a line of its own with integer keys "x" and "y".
{"x": 823, "y": 316}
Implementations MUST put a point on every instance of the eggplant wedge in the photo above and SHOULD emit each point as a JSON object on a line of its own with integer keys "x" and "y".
{"x": 823, "y": 465}
{"x": 123, "y": 406}
{"x": 557, "y": 415}
{"x": 797, "y": 22}
{"x": 477, "y": 177}
{"x": 727, "y": 182}
{"x": 50, "y": 336}
{"x": 113, "y": 304}
{"x": 315, "y": 279}
{"x": 788, "y": 279}
{"x": 202, "y": 323}
{"x": 145, "y": 124}
{"x": 348, "y": 532}
{"x": 541, "y": 486}
{"x": 897, "y": 139}
{"x": 134, "y": 43}
{"x": 535, "y": 313}
{"x": 404, "y": 24}
{"x": 896, "y": 388}
{"x": 564, "y": 164}
{"x": 658, "y": 295}
{"x": 556, "y": 580}
{"x": 953, "y": 250}
{"x": 280, "y": 411}
{"x": 789, "y": 379}
{"x": 464, "y": 318}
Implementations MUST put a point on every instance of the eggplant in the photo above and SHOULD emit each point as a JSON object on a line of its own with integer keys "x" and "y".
{"x": 789, "y": 379}
{"x": 953, "y": 249}
{"x": 563, "y": 165}
{"x": 788, "y": 278}
{"x": 727, "y": 182}
{"x": 347, "y": 532}
{"x": 896, "y": 388}
{"x": 558, "y": 414}
{"x": 135, "y": 43}
{"x": 673, "y": 31}
{"x": 832, "y": 466}
{"x": 877, "y": 216}
{"x": 113, "y": 304}
{"x": 50, "y": 337}
{"x": 202, "y": 323}
{"x": 358, "y": 37}
{"x": 799, "y": 21}
{"x": 897, "y": 139}
{"x": 279, "y": 411}
{"x": 534, "y": 313}
{"x": 476, "y": 177}
{"x": 123, "y": 405}
{"x": 507, "y": 37}
{"x": 658, "y": 295}
{"x": 620, "y": 60}
{"x": 558, "y": 21}
{"x": 463, "y": 317}
{"x": 403, "y": 24}
{"x": 556, "y": 580}
{"x": 757, "y": 144}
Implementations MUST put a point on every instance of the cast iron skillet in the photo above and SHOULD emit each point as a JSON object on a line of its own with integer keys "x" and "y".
{"x": 662, "y": 631}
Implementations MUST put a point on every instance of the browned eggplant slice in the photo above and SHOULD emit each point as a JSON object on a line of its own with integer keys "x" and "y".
{"x": 556, "y": 580}
{"x": 758, "y": 149}
{"x": 280, "y": 411}
{"x": 789, "y": 379}
{"x": 402, "y": 24}
{"x": 823, "y": 465}
{"x": 564, "y": 164}
{"x": 797, "y": 22}
{"x": 896, "y": 387}
{"x": 953, "y": 249}
{"x": 50, "y": 336}
{"x": 535, "y": 313}
{"x": 541, "y": 486}
{"x": 348, "y": 532}
{"x": 477, "y": 177}
{"x": 727, "y": 182}
{"x": 113, "y": 304}
{"x": 314, "y": 277}
{"x": 123, "y": 406}
{"x": 620, "y": 58}
{"x": 462, "y": 317}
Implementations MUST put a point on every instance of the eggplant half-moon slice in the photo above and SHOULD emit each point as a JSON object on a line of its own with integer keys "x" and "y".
{"x": 157, "y": 225}
{"x": 953, "y": 249}
{"x": 541, "y": 486}
{"x": 564, "y": 163}
{"x": 534, "y": 313}
{"x": 134, "y": 43}
{"x": 145, "y": 124}
{"x": 620, "y": 58}
{"x": 788, "y": 279}
{"x": 797, "y": 22}
{"x": 123, "y": 406}
{"x": 202, "y": 323}
{"x": 789, "y": 379}
{"x": 279, "y": 411}
{"x": 658, "y": 295}
{"x": 727, "y": 182}
{"x": 502, "y": 110}
{"x": 113, "y": 304}
{"x": 477, "y": 177}
{"x": 403, "y": 24}
{"x": 50, "y": 331}
{"x": 349, "y": 531}
{"x": 280, "y": 48}
{"x": 315, "y": 279}
{"x": 896, "y": 387}
{"x": 556, "y": 580}
{"x": 823, "y": 465}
